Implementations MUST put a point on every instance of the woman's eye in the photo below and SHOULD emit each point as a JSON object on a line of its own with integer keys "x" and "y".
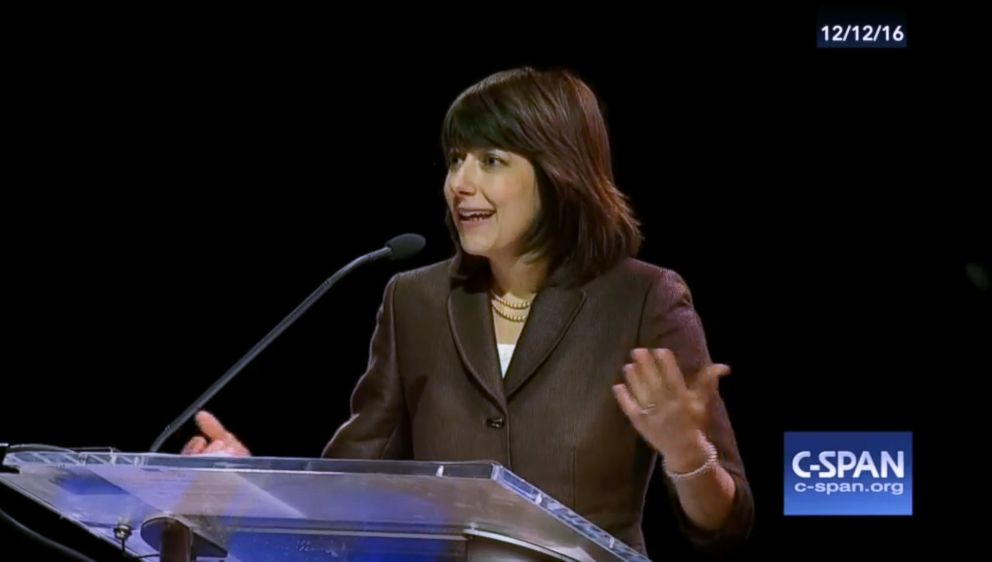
{"x": 491, "y": 160}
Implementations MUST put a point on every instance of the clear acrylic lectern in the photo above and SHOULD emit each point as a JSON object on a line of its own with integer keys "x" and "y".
{"x": 250, "y": 509}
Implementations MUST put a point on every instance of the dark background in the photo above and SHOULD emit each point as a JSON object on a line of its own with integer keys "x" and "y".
{"x": 175, "y": 190}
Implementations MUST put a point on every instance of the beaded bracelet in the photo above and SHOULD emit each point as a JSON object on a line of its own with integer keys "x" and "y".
{"x": 711, "y": 461}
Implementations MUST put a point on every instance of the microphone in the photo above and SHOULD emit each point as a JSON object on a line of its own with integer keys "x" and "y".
{"x": 398, "y": 248}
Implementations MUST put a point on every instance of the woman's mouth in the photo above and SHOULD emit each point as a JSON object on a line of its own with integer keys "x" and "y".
{"x": 472, "y": 217}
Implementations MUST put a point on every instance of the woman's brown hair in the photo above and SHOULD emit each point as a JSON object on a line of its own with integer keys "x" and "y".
{"x": 554, "y": 120}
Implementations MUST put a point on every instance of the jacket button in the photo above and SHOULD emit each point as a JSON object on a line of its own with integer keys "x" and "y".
{"x": 496, "y": 422}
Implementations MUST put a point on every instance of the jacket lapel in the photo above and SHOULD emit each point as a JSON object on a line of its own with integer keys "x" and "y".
{"x": 472, "y": 328}
{"x": 551, "y": 314}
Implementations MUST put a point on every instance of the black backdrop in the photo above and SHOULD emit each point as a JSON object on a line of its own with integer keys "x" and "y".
{"x": 176, "y": 192}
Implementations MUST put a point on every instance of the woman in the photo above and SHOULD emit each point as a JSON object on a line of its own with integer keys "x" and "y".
{"x": 543, "y": 344}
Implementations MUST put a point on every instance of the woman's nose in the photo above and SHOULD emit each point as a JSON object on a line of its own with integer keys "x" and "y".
{"x": 462, "y": 178}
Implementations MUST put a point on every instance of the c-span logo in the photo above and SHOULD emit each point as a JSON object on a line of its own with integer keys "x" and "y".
{"x": 848, "y": 473}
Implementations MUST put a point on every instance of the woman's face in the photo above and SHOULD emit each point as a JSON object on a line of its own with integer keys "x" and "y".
{"x": 493, "y": 199}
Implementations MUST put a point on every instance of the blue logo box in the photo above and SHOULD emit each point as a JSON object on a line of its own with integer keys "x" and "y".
{"x": 848, "y": 473}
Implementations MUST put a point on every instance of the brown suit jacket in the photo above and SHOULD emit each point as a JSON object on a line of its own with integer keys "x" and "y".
{"x": 433, "y": 389}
